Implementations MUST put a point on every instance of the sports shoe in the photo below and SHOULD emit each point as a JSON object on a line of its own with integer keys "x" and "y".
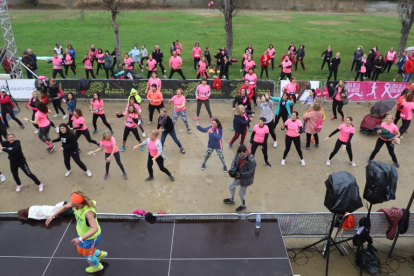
{"x": 211, "y": 119}
{"x": 302, "y": 162}
{"x": 268, "y": 164}
{"x": 328, "y": 162}
{"x": 333, "y": 119}
{"x": 36, "y": 131}
{"x": 171, "y": 176}
{"x": 143, "y": 134}
{"x": 122, "y": 148}
{"x": 2, "y": 177}
{"x": 228, "y": 201}
{"x": 125, "y": 176}
{"x": 203, "y": 167}
{"x": 255, "y": 105}
{"x": 64, "y": 117}
{"x": 182, "y": 151}
{"x": 283, "y": 162}
{"x": 275, "y": 144}
{"x": 52, "y": 149}
{"x": 398, "y": 141}
{"x": 250, "y": 129}
{"x": 22, "y": 126}
{"x": 88, "y": 173}
{"x": 313, "y": 140}
{"x": 397, "y": 164}
{"x": 149, "y": 122}
{"x": 68, "y": 172}
{"x": 149, "y": 178}
{"x": 142, "y": 148}
{"x": 306, "y": 148}
{"x": 57, "y": 130}
{"x": 352, "y": 163}
{"x": 240, "y": 208}
{"x": 188, "y": 131}
{"x": 343, "y": 119}
{"x": 229, "y": 146}
{"x": 225, "y": 169}
{"x": 41, "y": 187}
{"x": 394, "y": 80}
{"x": 196, "y": 118}
{"x": 106, "y": 176}
{"x": 92, "y": 269}
{"x": 112, "y": 132}
{"x": 18, "y": 188}
{"x": 95, "y": 131}
{"x": 102, "y": 255}
{"x": 316, "y": 145}
{"x": 56, "y": 115}
{"x": 165, "y": 76}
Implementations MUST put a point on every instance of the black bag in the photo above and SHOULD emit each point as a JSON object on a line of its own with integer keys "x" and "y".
{"x": 404, "y": 222}
{"x": 370, "y": 261}
{"x": 381, "y": 182}
{"x": 84, "y": 84}
{"x": 233, "y": 172}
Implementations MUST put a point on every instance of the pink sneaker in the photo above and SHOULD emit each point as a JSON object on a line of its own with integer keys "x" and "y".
{"x": 41, "y": 187}
{"x": 18, "y": 188}
{"x": 211, "y": 119}
{"x": 196, "y": 118}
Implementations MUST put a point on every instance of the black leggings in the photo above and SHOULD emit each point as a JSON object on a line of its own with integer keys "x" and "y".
{"x": 376, "y": 73}
{"x": 405, "y": 126}
{"x": 33, "y": 117}
{"x": 338, "y": 145}
{"x": 89, "y": 71}
{"x": 100, "y": 66}
{"x": 271, "y": 127}
{"x": 282, "y": 114}
{"x": 301, "y": 63}
{"x": 272, "y": 61}
{"x": 397, "y": 118}
{"x": 87, "y": 135}
{"x": 264, "y": 68}
{"x": 288, "y": 143}
{"x": 162, "y": 67}
{"x": 72, "y": 67}
{"x": 338, "y": 104}
{"x": 378, "y": 147}
{"x": 4, "y": 112}
{"x": 196, "y": 61}
{"x": 107, "y": 71}
{"x": 388, "y": 64}
{"x": 326, "y": 61}
{"x": 309, "y": 138}
{"x": 70, "y": 123}
{"x": 264, "y": 150}
{"x": 44, "y": 134}
{"x": 57, "y": 104}
{"x": 283, "y": 74}
{"x": 3, "y": 131}
{"x": 151, "y": 109}
{"x": 160, "y": 162}
{"x": 179, "y": 71}
{"x": 103, "y": 118}
{"x": 118, "y": 161}
{"x": 75, "y": 156}
{"x": 206, "y": 104}
{"x": 354, "y": 63}
{"x": 56, "y": 71}
{"x": 360, "y": 74}
{"x": 134, "y": 131}
{"x": 22, "y": 164}
{"x": 335, "y": 73}
{"x": 150, "y": 73}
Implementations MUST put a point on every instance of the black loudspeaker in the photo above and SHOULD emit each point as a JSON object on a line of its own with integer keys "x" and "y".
{"x": 342, "y": 193}
{"x": 381, "y": 182}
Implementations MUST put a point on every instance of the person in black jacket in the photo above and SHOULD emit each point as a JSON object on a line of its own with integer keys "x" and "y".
{"x": 334, "y": 66}
{"x": 242, "y": 99}
{"x": 370, "y": 63}
{"x": 27, "y": 61}
{"x": 167, "y": 127}
{"x": 70, "y": 149}
{"x": 326, "y": 57}
{"x": 300, "y": 55}
{"x": 56, "y": 98}
{"x": 219, "y": 61}
{"x": 207, "y": 55}
{"x": 224, "y": 71}
{"x": 359, "y": 52}
{"x": 240, "y": 122}
{"x": 378, "y": 65}
{"x": 17, "y": 160}
{"x": 159, "y": 57}
{"x": 33, "y": 65}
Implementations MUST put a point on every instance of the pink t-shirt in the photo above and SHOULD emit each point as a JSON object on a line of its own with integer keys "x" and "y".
{"x": 203, "y": 91}
{"x": 196, "y": 52}
{"x": 392, "y": 128}
{"x": 338, "y": 95}
{"x": 251, "y": 78}
{"x": 203, "y": 66}
{"x": 152, "y": 65}
{"x": 100, "y": 58}
{"x": 260, "y": 133}
{"x": 345, "y": 132}
{"x": 156, "y": 81}
{"x": 96, "y": 105}
{"x": 248, "y": 65}
{"x": 290, "y": 88}
{"x": 286, "y": 64}
{"x": 88, "y": 64}
{"x": 68, "y": 59}
{"x": 79, "y": 121}
{"x": 129, "y": 122}
{"x": 292, "y": 127}
{"x": 407, "y": 111}
{"x": 109, "y": 145}
{"x": 42, "y": 119}
{"x": 152, "y": 147}
{"x": 178, "y": 101}
{"x": 176, "y": 62}
{"x": 137, "y": 107}
{"x": 128, "y": 63}
{"x": 271, "y": 52}
{"x": 57, "y": 63}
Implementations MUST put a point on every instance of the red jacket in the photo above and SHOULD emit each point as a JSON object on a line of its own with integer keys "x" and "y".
{"x": 409, "y": 66}
{"x": 264, "y": 62}
{"x": 249, "y": 90}
{"x": 5, "y": 99}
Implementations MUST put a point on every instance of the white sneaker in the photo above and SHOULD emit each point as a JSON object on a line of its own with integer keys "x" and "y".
{"x": 64, "y": 117}
{"x": 275, "y": 144}
{"x": 328, "y": 162}
{"x": 41, "y": 187}
{"x": 56, "y": 115}
{"x": 18, "y": 188}
{"x": 352, "y": 163}
{"x": 36, "y": 131}
{"x": 143, "y": 134}
{"x": 149, "y": 122}
{"x": 283, "y": 162}
{"x": 2, "y": 177}
{"x": 68, "y": 173}
{"x": 57, "y": 130}
{"x": 302, "y": 162}
{"x": 88, "y": 173}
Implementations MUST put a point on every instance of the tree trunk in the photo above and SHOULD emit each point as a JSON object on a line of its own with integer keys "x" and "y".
{"x": 117, "y": 42}
{"x": 405, "y": 30}
{"x": 228, "y": 27}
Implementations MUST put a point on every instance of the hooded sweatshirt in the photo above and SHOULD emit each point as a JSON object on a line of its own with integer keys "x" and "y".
{"x": 137, "y": 97}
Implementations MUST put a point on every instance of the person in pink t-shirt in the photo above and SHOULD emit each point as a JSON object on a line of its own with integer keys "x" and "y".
{"x": 347, "y": 131}
{"x": 43, "y": 122}
{"x": 133, "y": 101}
{"x": 179, "y": 110}
{"x": 175, "y": 64}
{"x": 271, "y": 51}
{"x": 80, "y": 127}
{"x": 294, "y": 129}
{"x": 203, "y": 93}
{"x": 88, "y": 61}
{"x": 96, "y": 108}
{"x": 259, "y": 138}
{"x": 249, "y": 63}
{"x": 132, "y": 120}
{"x": 196, "y": 55}
{"x": 153, "y": 80}
{"x": 286, "y": 68}
{"x": 151, "y": 66}
{"x": 339, "y": 96}
{"x": 69, "y": 61}
{"x": 407, "y": 108}
{"x": 388, "y": 125}
{"x": 108, "y": 143}
{"x": 101, "y": 61}
{"x": 202, "y": 68}
{"x": 128, "y": 65}
{"x": 252, "y": 78}
{"x": 57, "y": 65}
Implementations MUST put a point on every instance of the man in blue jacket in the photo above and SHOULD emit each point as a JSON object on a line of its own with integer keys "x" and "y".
{"x": 242, "y": 171}
{"x": 400, "y": 65}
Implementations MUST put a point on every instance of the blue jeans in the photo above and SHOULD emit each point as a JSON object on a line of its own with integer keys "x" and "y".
{"x": 173, "y": 135}
{"x": 408, "y": 77}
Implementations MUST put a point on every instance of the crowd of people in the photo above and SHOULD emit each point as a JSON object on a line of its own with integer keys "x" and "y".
{"x": 366, "y": 65}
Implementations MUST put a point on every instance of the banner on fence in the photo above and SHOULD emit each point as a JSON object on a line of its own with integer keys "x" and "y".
{"x": 20, "y": 89}
{"x": 373, "y": 91}
{"x": 305, "y": 94}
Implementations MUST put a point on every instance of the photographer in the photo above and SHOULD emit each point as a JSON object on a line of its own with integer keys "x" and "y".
{"x": 242, "y": 171}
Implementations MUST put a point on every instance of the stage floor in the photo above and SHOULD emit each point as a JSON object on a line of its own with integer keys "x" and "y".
{"x": 177, "y": 248}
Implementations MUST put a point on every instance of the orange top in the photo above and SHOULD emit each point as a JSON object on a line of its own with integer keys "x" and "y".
{"x": 155, "y": 96}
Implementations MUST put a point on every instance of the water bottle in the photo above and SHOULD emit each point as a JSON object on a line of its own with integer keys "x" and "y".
{"x": 258, "y": 221}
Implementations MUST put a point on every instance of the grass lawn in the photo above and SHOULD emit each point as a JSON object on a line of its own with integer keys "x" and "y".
{"x": 40, "y": 30}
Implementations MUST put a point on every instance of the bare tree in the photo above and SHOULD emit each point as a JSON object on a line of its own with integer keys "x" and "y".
{"x": 230, "y": 8}
{"x": 406, "y": 11}
{"x": 113, "y": 7}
